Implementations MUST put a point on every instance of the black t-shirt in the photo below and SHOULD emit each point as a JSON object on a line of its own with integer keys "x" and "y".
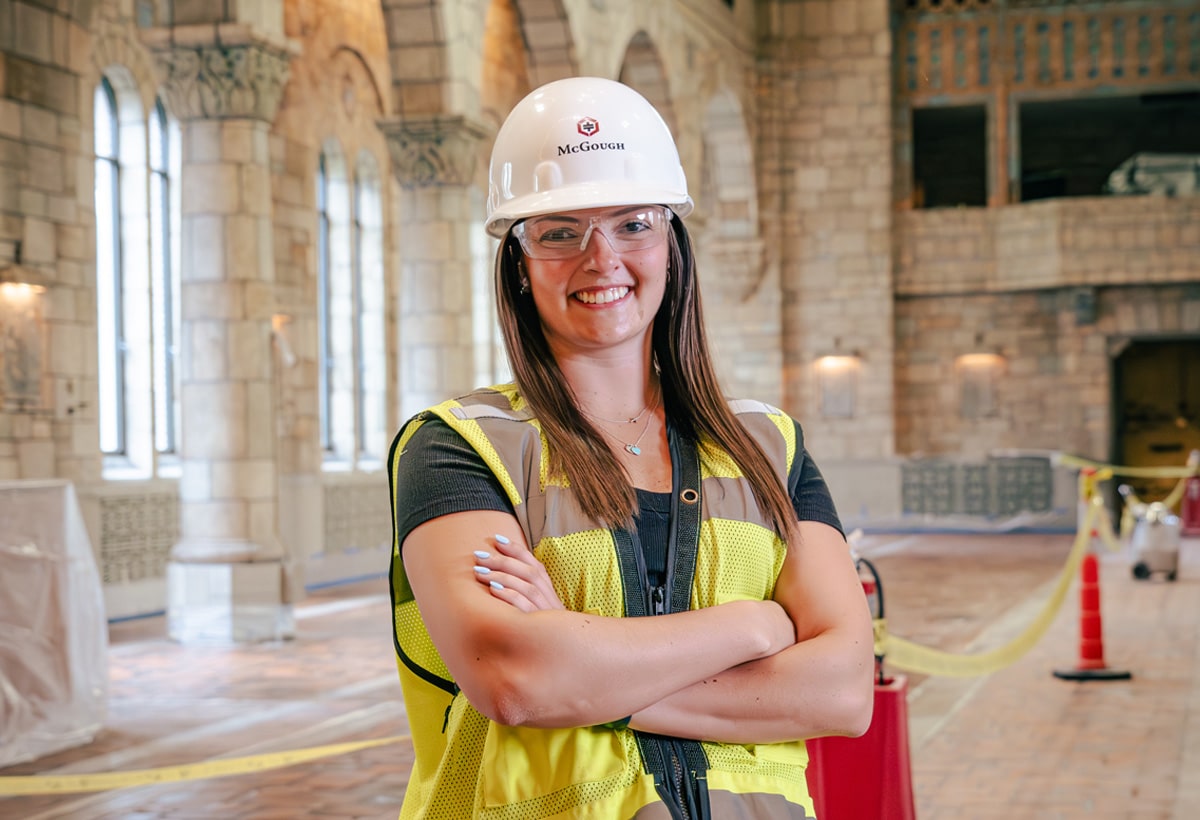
{"x": 442, "y": 474}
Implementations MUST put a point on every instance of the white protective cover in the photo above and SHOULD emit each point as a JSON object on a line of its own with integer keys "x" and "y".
{"x": 582, "y": 142}
{"x": 53, "y": 631}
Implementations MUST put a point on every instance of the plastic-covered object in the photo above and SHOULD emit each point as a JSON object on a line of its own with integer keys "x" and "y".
{"x": 53, "y": 631}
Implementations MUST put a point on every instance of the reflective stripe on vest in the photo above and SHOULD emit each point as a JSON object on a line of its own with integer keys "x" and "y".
{"x": 468, "y": 766}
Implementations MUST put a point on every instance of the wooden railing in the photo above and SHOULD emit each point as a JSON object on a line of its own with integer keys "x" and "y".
{"x": 972, "y": 47}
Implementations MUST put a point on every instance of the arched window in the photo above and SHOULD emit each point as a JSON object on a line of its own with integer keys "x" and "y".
{"x": 164, "y": 159}
{"x": 137, "y": 215}
{"x": 110, "y": 320}
{"x": 370, "y": 340}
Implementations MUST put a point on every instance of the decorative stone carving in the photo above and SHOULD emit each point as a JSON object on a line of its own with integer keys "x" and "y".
{"x": 224, "y": 81}
{"x": 433, "y": 151}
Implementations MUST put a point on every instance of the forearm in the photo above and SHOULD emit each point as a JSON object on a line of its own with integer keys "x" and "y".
{"x": 560, "y": 668}
{"x": 821, "y": 686}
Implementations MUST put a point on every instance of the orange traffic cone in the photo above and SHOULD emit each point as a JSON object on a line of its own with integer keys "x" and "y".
{"x": 1091, "y": 664}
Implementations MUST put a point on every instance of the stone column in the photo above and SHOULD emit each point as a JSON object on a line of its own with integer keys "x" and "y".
{"x": 827, "y": 74}
{"x": 445, "y": 313}
{"x": 227, "y": 580}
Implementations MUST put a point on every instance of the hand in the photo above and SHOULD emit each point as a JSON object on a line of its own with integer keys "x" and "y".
{"x": 770, "y": 623}
{"x": 514, "y": 576}
{"x": 781, "y": 629}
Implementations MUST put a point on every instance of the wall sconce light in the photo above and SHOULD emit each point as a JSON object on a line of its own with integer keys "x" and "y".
{"x": 22, "y": 335}
{"x": 979, "y": 374}
{"x": 837, "y": 382}
{"x": 279, "y": 332}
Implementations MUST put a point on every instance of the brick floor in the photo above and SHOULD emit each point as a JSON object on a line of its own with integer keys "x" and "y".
{"x": 1017, "y": 744}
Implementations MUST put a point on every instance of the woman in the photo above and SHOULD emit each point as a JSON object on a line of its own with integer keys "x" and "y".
{"x": 536, "y": 521}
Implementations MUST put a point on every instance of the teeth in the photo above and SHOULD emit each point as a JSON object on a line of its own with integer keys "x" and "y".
{"x": 602, "y": 297}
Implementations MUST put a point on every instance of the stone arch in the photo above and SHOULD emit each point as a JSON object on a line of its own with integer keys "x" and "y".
{"x": 505, "y": 78}
{"x": 435, "y": 56}
{"x": 642, "y": 70}
{"x": 359, "y": 82}
{"x": 727, "y": 203}
{"x": 729, "y": 247}
{"x": 118, "y": 56}
{"x": 550, "y": 46}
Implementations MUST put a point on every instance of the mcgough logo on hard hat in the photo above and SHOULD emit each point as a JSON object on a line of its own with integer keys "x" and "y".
{"x": 589, "y": 127}
{"x": 563, "y": 150}
{"x": 539, "y": 167}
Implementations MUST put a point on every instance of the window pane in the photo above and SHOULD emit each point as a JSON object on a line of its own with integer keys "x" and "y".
{"x": 105, "y": 121}
{"x": 372, "y": 346}
{"x": 163, "y": 287}
{"x": 108, "y": 311}
{"x": 158, "y": 139}
{"x": 325, "y": 361}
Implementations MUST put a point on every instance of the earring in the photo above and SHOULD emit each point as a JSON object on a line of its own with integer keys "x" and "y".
{"x": 524, "y": 285}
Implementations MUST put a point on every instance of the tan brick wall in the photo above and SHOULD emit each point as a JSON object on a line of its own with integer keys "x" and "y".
{"x": 1053, "y": 388}
{"x": 827, "y": 177}
{"x": 1049, "y": 243}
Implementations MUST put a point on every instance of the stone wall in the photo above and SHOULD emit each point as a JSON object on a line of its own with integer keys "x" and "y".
{"x": 1052, "y": 383}
{"x": 1047, "y": 244}
{"x": 827, "y": 184}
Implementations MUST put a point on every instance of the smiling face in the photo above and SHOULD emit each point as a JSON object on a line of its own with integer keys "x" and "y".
{"x": 603, "y": 282}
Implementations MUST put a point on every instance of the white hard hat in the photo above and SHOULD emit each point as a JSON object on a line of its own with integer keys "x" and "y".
{"x": 583, "y": 142}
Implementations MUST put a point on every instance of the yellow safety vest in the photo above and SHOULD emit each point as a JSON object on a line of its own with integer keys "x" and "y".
{"x": 467, "y": 766}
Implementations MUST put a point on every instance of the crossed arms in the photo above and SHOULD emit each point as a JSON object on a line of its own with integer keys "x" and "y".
{"x": 741, "y": 672}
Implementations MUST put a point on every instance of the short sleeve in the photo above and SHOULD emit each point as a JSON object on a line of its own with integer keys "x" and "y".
{"x": 810, "y": 495}
{"x": 439, "y": 473}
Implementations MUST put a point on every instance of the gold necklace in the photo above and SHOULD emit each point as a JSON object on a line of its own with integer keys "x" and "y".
{"x": 635, "y": 448}
{"x": 633, "y": 420}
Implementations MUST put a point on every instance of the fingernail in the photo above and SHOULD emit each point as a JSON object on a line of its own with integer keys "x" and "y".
{"x": 500, "y": 539}
{"x": 482, "y": 556}
{"x": 497, "y": 585}
{"x": 482, "y": 570}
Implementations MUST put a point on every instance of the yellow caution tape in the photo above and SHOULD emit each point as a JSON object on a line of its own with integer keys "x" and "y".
{"x": 1187, "y": 471}
{"x": 925, "y": 660}
{"x": 1093, "y": 472}
{"x": 77, "y": 783}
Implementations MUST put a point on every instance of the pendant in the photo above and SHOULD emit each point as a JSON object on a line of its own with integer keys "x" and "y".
{"x": 633, "y": 449}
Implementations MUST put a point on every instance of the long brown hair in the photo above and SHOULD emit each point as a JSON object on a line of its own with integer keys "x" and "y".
{"x": 691, "y": 394}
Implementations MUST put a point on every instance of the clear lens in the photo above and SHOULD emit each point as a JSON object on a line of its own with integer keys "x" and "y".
{"x": 562, "y": 236}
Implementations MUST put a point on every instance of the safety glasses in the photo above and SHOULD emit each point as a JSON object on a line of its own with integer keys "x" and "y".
{"x": 562, "y": 236}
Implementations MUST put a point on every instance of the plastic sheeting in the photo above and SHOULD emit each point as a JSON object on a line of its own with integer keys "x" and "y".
{"x": 53, "y": 632}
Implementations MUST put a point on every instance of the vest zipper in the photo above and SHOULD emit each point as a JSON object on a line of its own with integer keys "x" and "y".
{"x": 658, "y": 600}
{"x": 679, "y": 767}
{"x": 683, "y": 788}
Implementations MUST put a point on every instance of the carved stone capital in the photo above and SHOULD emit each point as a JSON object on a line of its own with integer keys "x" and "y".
{"x": 431, "y": 151}
{"x": 217, "y": 81}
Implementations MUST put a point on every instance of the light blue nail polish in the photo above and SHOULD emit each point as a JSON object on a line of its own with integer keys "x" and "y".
{"x": 482, "y": 570}
{"x": 497, "y": 585}
{"x": 500, "y": 539}
{"x": 482, "y": 556}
